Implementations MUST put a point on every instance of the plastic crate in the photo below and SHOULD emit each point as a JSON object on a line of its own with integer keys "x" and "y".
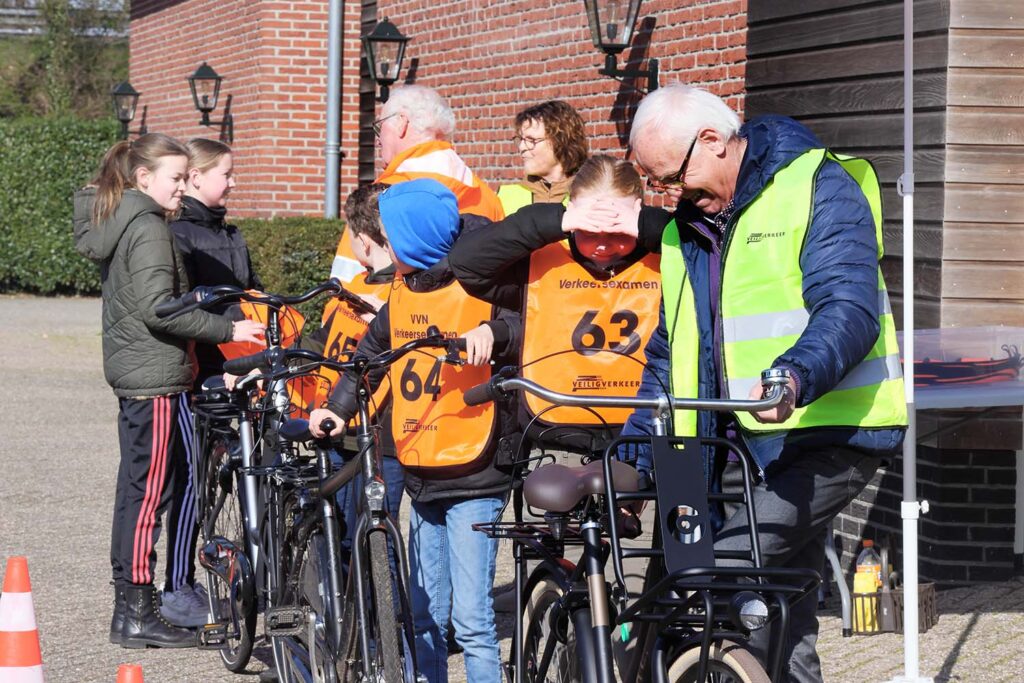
{"x": 867, "y": 619}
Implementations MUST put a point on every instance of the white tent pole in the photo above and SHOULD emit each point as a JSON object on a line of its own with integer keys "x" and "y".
{"x": 910, "y": 508}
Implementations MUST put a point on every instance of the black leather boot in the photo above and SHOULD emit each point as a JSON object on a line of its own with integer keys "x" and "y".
{"x": 143, "y": 625}
{"x": 117, "y": 621}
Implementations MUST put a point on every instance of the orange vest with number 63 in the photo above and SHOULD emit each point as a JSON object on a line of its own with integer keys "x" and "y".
{"x": 437, "y": 436}
{"x": 582, "y": 335}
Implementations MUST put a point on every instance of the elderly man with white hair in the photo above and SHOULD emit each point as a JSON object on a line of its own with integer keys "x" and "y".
{"x": 413, "y": 135}
{"x": 779, "y": 240}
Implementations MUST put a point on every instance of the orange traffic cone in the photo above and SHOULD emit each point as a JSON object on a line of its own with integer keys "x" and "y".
{"x": 129, "y": 673}
{"x": 20, "y": 658}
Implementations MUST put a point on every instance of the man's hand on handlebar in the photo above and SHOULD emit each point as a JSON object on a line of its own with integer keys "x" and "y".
{"x": 318, "y": 416}
{"x": 479, "y": 345}
{"x": 781, "y": 412}
{"x": 247, "y": 331}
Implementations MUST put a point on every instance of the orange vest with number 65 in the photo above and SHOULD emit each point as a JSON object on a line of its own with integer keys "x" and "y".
{"x": 345, "y": 328}
{"x": 582, "y": 335}
{"x": 437, "y": 436}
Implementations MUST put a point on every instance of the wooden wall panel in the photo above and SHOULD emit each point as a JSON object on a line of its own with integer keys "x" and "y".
{"x": 978, "y": 312}
{"x": 1002, "y": 165}
{"x": 982, "y": 280}
{"x": 985, "y": 125}
{"x": 981, "y": 48}
{"x": 986, "y": 14}
{"x": 984, "y": 242}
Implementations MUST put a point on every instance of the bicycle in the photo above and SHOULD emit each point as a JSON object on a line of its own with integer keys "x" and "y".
{"x": 231, "y": 513}
{"x": 368, "y": 633}
{"x": 692, "y": 616}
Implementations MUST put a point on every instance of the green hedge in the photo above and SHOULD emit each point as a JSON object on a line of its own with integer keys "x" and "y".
{"x": 42, "y": 163}
{"x": 292, "y": 254}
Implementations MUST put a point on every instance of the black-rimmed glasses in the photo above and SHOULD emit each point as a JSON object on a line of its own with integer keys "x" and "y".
{"x": 677, "y": 179}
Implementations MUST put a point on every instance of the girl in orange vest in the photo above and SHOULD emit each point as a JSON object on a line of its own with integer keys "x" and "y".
{"x": 607, "y": 288}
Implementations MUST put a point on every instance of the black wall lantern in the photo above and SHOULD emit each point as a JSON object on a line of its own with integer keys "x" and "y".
{"x": 126, "y": 99}
{"x": 611, "y": 28}
{"x": 205, "y": 87}
{"x": 385, "y": 50}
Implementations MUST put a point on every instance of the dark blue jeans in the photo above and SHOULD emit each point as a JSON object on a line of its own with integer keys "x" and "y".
{"x": 795, "y": 504}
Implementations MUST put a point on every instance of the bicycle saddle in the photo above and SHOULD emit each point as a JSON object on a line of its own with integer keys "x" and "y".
{"x": 557, "y": 488}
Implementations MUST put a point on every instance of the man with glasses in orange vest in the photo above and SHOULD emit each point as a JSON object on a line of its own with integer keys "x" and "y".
{"x": 413, "y": 135}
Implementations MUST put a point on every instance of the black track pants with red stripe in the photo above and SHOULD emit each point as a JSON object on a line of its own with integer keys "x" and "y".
{"x": 153, "y": 463}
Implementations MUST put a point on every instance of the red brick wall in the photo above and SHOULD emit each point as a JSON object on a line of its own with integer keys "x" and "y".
{"x": 488, "y": 58}
{"x": 492, "y": 59}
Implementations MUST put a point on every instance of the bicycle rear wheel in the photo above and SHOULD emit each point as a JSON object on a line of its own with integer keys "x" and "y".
{"x": 728, "y": 662}
{"x": 547, "y": 627}
{"x": 386, "y": 635}
{"x": 222, "y": 515}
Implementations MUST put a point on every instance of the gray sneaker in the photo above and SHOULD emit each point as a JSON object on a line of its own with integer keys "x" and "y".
{"x": 186, "y": 606}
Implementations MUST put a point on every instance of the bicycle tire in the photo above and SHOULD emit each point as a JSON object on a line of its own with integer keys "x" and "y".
{"x": 389, "y": 651}
{"x": 222, "y": 515}
{"x": 348, "y": 669}
{"x": 728, "y": 662}
{"x": 540, "y": 623}
{"x": 310, "y": 572}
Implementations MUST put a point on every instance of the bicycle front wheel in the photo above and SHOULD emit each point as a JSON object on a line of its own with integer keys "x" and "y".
{"x": 221, "y": 515}
{"x": 388, "y": 651}
{"x": 728, "y": 662}
{"x": 549, "y": 639}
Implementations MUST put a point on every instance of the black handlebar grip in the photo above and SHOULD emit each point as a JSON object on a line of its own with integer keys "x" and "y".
{"x": 460, "y": 343}
{"x": 480, "y": 394}
{"x": 166, "y": 308}
{"x": 246, "y": 364}
{"x": 327, "y": 426}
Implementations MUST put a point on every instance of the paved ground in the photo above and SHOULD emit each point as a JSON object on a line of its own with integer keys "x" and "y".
{"x": 58, "y": 460}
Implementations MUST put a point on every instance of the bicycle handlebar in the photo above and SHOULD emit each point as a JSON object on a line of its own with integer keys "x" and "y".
{"x": 499, "y": 386}
{"x": 209, "y": 297}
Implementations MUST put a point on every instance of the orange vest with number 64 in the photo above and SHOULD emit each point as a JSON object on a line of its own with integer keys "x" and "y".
{"x": 582, "y": 335}
{"x": 437, "y": 436}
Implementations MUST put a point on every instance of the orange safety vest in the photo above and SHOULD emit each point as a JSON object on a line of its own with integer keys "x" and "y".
{"x": 577, "y": 328}
{"x": 436, "y": 434}
{"x": 290, "y": 322}
{"x": 437, "y": 160}
{"x": 344, "y": 330}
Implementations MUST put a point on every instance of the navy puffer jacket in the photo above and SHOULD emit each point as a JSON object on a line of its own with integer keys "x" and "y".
{"x": 840, "y": 287}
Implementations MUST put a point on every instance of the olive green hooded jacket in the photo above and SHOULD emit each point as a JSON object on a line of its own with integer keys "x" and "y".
{"x": 143, "y": 355}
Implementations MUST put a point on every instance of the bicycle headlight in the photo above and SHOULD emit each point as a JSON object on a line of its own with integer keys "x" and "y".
{"x": 375, "y": 491}
{"x": 748, "y": 610}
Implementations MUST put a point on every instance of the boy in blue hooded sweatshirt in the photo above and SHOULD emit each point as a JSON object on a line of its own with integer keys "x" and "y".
{"x": 457, "y": 459}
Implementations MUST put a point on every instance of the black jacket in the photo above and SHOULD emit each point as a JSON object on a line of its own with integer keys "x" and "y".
{"x": 214, "y": 253}
{"x": 494, "y": 265}
{"x": 494, "y": 479}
